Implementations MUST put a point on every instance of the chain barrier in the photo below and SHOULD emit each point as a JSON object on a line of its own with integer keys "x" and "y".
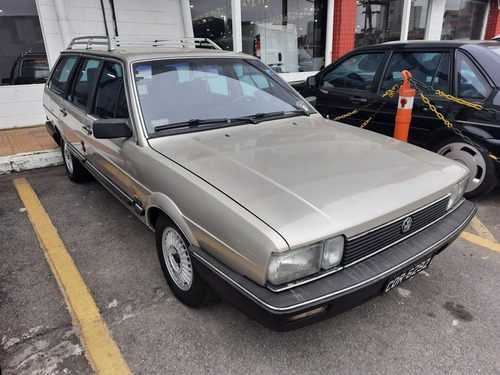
{"x": 439, "y": 115}
{"x": 418, "y": 85}
{"x": 388, "y": 94}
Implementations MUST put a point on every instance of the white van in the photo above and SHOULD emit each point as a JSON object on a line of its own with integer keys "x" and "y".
{"x": 274, "y": 44}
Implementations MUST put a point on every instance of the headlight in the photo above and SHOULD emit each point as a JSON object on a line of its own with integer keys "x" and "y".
{"x": 304, "y": 261}
{"x": 457, "y": 192}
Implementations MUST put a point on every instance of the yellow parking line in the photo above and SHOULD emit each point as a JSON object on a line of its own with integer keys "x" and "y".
{"x": 495, "y": 246}
{"x": 100, "y": 349}
{"x": 481, "y": 230}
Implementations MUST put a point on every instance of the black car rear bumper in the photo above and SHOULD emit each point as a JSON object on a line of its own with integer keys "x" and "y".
{"x": 337, "y": 292}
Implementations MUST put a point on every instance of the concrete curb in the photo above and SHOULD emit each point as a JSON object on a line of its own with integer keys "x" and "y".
{"x": 30, "y": 160}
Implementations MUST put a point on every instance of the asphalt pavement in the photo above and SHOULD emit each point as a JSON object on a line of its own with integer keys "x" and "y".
{"x": 444, "y": 320}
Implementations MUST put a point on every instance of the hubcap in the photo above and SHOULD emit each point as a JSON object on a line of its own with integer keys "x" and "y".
{"x": 68, "y": 158}
{"x": 177, "y": 259}
{"x": 471, "y": 158}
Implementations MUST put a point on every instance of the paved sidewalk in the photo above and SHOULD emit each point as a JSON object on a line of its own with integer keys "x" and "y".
{"x": 27, "y": 148}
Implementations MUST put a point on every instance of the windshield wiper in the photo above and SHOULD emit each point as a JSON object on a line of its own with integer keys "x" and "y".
{"x": 193, "y": 123}
{"x": 255, "y": 119}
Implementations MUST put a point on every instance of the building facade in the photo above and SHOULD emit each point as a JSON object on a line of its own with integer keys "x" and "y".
{"x": 288, "y": 35}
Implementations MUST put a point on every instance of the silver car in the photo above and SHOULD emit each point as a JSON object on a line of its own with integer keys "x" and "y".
{"x": 252, "y": 195}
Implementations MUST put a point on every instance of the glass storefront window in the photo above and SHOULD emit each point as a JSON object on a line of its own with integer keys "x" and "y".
{"x": 380, "y": 21}
{"x": 213, "y": 20}
{"x": 463, "y": 19}
{"x": 23, "y": 59}
{"x": 287, "y": 35}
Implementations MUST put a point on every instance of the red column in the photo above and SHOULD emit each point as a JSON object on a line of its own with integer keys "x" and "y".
{"x": 493, "y": 23}
{"x": 344, "y": 27}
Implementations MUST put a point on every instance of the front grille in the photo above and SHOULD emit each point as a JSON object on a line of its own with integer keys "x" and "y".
{"x": 369, "y": 243}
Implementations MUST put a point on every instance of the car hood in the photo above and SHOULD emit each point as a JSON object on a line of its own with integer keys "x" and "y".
{"x": 309, "y": 178}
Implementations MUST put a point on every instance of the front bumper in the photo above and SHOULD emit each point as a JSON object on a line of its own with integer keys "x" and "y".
{"x": 338, "y": 292}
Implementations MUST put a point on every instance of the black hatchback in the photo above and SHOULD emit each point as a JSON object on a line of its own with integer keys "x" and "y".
{"x": 468, "y": 70}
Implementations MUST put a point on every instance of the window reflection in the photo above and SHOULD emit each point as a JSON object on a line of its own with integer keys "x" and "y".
{"x": 23, "y": 59}
{"x": 289, "y": 36}
{"x": 381, "y": 21}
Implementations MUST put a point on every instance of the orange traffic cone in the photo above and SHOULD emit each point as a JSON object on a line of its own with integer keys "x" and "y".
{"x": 405, "y": 107}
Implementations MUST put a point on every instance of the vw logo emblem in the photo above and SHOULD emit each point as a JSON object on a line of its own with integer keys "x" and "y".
{"x": 405, "y": 227}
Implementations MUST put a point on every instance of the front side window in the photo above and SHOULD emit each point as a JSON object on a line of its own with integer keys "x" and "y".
{"x": 190, "y": 92}
{"x": 356, "y": 72}
{"x": 470, "y": 83}
{"x": 110, "y": 101}
{"x": 429, "y": 68}
{"x": 62, "y": 71}
{"x": 84, "y": 83}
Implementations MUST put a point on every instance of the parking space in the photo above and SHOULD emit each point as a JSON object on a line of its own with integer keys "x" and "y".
{"x": 442, "y": 321}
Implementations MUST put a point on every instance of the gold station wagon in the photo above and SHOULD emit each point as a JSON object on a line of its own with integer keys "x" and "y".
{"x": 252, "y": 195}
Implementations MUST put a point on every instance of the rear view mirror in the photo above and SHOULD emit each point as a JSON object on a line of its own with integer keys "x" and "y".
{"x": 112, "y": 128}
{"x": 311, "y": 81}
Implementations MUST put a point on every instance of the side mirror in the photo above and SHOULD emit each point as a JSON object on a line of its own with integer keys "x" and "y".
{"x": 112, "y": 128}
{"x": 311, "y": 81}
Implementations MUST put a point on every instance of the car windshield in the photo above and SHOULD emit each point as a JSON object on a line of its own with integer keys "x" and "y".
{"x": 196, "y": 94}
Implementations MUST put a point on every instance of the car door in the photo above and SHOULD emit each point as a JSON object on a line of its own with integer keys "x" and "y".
{"x": 431, "y": 70}
{"x": 55, "y": 101}
{"x": 78, "y": 127}
{"x": 110, "y": 157}
{"x": 348, "y": 85}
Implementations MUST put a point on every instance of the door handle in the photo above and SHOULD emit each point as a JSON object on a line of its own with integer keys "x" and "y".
{"x": 87, "y": 129}
{"x": 355, "y": 100}
{"x": 427, "y": 109}
{"x": 63, "y": 111}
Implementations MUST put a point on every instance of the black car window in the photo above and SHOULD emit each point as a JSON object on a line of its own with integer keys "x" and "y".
{"x": 470, "y": 83}
{"x": 84, "y": 83}
{"x": 429, "y": 68}
{"x": 355, "y": 72}
{"x": 61, "y": 74}
{"x": 110, "y": 99}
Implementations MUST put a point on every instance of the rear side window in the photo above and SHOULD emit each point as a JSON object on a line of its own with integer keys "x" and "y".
{"x": 110, "y": 99}
{"x": 84, "y": 83}
{"x": 61, "y": 74}
{"x": 471, "y": 84}
{"x": 356, "y": 72}
{"x": 430, "y": 68}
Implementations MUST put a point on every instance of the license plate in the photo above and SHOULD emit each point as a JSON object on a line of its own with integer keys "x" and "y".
{"x": 407, "y": 273}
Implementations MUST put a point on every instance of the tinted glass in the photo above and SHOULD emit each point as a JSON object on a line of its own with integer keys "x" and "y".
{"x": 61, "y": 74}
{"x": 356, "y": 72}
{"x": 470, "y": 83}
{"x": 84, "y": 82}
{"x": 429, "y": 68}
{"x": 110, "y": 95}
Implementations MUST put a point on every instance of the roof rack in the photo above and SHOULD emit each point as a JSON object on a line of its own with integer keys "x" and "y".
{"x": 91, "y": 42}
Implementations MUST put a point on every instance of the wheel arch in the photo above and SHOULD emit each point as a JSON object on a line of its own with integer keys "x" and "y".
{"x": 160, "y": 204}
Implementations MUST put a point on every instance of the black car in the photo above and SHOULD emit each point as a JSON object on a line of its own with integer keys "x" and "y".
{"x": 467, "y": 70}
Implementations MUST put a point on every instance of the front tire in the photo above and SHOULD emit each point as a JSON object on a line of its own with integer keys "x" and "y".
{"x": 185, "y": 283}
{"x": 483, "y": 173}
{"x": 74, "y": 169}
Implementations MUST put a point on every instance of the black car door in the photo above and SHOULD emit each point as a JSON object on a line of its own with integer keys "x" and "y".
{"x": 348, "y": 85}
{"x": 431, "y": 70}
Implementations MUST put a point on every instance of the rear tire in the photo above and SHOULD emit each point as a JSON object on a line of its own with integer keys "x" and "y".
{"x": 74, "y": 169}
{"x": 186, "y": 284}
{"x": 483, "y": 172}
